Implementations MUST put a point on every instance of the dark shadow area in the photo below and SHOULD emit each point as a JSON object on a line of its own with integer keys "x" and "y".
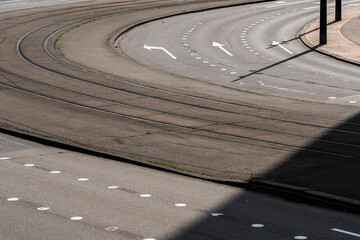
{"x": 334, "y": 169}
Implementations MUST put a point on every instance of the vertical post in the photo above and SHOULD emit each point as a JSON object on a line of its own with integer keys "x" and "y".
{"x": 323, "y": 22}
{"x": 338, "y": 10}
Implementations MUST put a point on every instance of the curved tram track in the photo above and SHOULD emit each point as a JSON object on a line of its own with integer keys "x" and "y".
{"x": 190, "y": 115}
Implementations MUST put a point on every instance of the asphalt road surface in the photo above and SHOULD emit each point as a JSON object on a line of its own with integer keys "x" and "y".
{"x": 253, "y": 48}
{"x": 64, "y": 78}
{"x": 50, "y": 193}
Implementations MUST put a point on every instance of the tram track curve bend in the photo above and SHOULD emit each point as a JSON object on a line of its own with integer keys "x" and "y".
{"x": 65, "y": 77}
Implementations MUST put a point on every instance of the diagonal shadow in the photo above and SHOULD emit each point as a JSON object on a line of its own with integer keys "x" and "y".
{"x": 336, "y": 173}
{"x": 253, "y": 72}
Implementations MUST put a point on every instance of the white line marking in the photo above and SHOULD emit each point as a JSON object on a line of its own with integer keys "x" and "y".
{"x": 55, "y": 172}
{"x": 111, "y": 229}
{"x": 83, "y": 179}
{"x": 278, "y": 44}
{"x": 181, "y": 205}
{"x": 145, "y": 195}
{"x": 257, "y": 225}
{"x": 76, "y": 218}
{"x": 43, "y": 208}
{"x": 346, "y": 232}
{"x": 221, "y": 46}
{"x": 217, "y": 214}
{"x": 13, "y": 199}
{"x": 159, "y": 48}
{"x": 4, "y": 158}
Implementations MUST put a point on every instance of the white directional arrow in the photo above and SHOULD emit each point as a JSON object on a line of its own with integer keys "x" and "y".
{"x": 221, "y": 46}
{"x": 159, "y": 48}
{"x": 278, "y": 44}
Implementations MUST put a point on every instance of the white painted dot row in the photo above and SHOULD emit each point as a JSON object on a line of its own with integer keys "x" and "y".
{"x": 246, "y": 29}
{"x": 196, "y": 55}
{"x": 78, "y": 218}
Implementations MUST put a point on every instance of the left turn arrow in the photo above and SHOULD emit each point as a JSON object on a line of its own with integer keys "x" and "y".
{"x": 159, "y": 48}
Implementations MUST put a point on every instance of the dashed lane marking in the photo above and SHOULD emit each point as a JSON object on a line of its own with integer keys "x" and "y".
{"x": 83, "y": 179}
{"x": 257, "y": 225}
{"x": 43, "y": 208}
{"x": 181, "y": 205}
{"x": 13, "y": 199}
{"x": 145, "y": 195}
{"x": 301, "y": 237}
{"x": 29, "y": 165}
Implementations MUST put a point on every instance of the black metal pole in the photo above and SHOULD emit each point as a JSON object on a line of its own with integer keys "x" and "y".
{"x": 338, "y": 10}
{"x": 323, "y": 22}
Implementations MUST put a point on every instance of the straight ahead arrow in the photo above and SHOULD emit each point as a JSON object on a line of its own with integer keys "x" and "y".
{"x": 159, "y": 48}
{"x": 221, "y": 46}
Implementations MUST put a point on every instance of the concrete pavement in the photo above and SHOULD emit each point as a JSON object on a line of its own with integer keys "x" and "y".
{"x": 343, "y": 37}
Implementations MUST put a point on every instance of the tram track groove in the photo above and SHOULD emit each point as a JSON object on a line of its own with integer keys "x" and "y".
{"x": 231, "y": 124}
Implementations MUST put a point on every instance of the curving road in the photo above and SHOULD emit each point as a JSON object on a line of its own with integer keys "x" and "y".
{"x": 259, "y": 51}
{"x": 65, "y": 78}
{"x": 88, "y": 75}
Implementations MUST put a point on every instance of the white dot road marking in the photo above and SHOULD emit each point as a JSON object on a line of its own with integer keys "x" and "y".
{"x": 332, "y": 98}
{"x": 346, "y": 232}
{"x": 217, "y": 214}
{"x": 181, "y": 205}
{"x": 29, "y": 165}
{"x": 301, "y": 237}
{"x": 4, "y": 158}
{"x": 233, "y": 73}
{"x": 77, "y": 218}
{"x": 352, "y": 101}
{"x": 145, "y": 195}
{"x": 13, "y": 199}
{"x": 223, "y": 69}
{"x": 43, "y": 208}
{"x": 112, "y": 229}
{"x": 257, "y": 225}
{"x": 149, "y": 239}
{"x": 83, "y": 179}
{"x": 55, "y": 172}
{"x": 113, "y": 187}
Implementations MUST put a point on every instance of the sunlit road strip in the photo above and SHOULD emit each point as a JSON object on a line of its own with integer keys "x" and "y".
{"x": 346, "y": 232}
{"x": 280, "y": 4}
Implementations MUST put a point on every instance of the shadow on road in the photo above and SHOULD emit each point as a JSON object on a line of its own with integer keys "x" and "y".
{"x": 332, "y": 166}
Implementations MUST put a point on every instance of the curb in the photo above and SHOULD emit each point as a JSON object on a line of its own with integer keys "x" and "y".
{"x": 302, "y": 34}
{"x": 285, "y": 191}
{"x": 305, "y": 195}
